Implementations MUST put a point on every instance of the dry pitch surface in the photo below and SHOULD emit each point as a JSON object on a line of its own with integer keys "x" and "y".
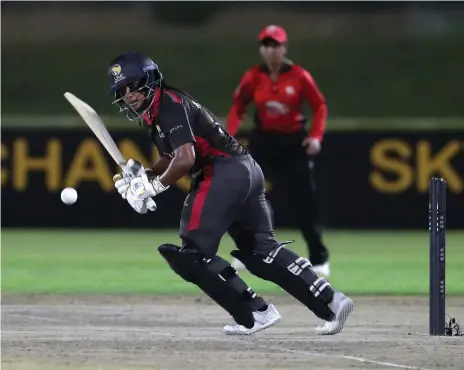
{"x": 63, "y": 332}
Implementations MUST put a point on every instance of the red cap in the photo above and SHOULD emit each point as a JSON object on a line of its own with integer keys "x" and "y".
{"x": 274, "y": 32}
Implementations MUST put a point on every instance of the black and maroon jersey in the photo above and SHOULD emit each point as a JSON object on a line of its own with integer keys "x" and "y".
{"x": 175, "y": 119}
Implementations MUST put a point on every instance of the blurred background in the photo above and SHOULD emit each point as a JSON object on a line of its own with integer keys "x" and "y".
{"x": 391, "y": 74}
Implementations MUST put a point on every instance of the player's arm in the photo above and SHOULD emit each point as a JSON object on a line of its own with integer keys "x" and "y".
{"x": 176, "y": 127}
{"x": 318, "y": 106}
{"x": 161, "y": 165}
{"x": 178, "y": 130}
{"x": 180, "y": 166}
{"x": 243, "y": 95}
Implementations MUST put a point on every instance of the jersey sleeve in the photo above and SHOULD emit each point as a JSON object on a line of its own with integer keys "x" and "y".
{"x": 175, "y": 119}
{"x": 317, "y": 103}
{"x": 243, "y": 95}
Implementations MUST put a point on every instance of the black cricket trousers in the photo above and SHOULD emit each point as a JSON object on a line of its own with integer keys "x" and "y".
{"x": 291, "y": 172}
{"x": 229, "y": 197}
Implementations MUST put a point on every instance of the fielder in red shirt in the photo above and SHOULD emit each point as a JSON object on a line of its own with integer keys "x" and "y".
{"x": 280, "y": 143}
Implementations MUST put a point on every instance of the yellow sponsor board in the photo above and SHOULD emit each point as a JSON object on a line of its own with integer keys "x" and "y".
{"x": 89, "y": 164}
{"x": 399, "y": 165}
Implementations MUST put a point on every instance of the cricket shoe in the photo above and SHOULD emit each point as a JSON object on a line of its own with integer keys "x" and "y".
{"x": 263, "y": 320}
{"x": 322, "y": 270}
{"x": 342, "y": 306}
{"x": 238, "y": 265}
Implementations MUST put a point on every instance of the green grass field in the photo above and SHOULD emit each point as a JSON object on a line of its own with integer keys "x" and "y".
{"x": 126, "y": 261}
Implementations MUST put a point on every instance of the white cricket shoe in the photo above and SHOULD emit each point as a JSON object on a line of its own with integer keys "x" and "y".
{"x": 342, "y": 306}
{"x": 238, "y": 265}
{"x": 322, "y": 270}
{"x": 263, "y": 320}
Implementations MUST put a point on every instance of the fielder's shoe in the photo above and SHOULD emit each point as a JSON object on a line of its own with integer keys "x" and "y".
{"x": 342, "y": 306}
{"x": 236, "y": 264}
{"x": 322, "y": 270}
{"x": 263, "y": 320}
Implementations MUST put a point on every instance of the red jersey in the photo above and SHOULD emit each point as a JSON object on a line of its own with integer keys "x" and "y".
{"x": 279, "y": 103}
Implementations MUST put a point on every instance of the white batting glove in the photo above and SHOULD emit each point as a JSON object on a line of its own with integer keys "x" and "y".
{"x": 121, "y": 183}
{"x": 132, "y": 169}
{"x": 142, "y": 186}
{"x": 137, "y": 204}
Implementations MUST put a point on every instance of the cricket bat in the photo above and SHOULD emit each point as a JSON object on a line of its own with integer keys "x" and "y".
{"x": 93, "y": 120}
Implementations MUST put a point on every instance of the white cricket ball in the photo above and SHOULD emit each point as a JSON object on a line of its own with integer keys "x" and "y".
{"x": 69, "y": 195}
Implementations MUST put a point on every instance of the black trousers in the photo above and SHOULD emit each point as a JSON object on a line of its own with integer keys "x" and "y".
{"x": 229, "y": 198}
{"x": 291, "y": 171}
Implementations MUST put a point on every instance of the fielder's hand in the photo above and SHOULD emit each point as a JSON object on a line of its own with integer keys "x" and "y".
{"x": 312, "y": 145}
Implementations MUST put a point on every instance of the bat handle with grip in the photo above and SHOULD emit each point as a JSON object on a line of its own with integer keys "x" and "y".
{"x": 151, "y": 204}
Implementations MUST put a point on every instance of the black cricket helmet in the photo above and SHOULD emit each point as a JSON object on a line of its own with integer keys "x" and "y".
{"x": 138, "y": 73}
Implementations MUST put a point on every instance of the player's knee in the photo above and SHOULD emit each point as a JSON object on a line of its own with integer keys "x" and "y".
{"x": 266, "y": 244}
{"x": 261, "y": 243}
{"x": 196, "y": 245}
{"x": 180, "y": 262}
{"x": 191, "y": 256}
{"x": 244, "y": 240}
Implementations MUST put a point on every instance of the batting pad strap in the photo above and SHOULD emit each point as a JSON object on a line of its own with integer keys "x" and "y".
{"x": 275, "y": 251}
{"x": 228, "y": 273}
{"x": 230, "y": 276}
{"x": 318, "y": 286}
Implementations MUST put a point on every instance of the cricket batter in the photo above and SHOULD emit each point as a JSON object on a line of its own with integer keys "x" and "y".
{"x": 227, "y": 195}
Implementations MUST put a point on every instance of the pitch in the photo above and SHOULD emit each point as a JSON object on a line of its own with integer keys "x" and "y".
{"x": 137, "y": 332}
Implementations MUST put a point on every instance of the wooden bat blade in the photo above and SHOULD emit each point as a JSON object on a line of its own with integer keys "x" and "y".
{"x": 93, "y": 120}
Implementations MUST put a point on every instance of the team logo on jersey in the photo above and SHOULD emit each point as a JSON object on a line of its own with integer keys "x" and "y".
{"x": 116, "y": 71}
{"x": 275, "y": 108}
{"x": 290, "y": 90}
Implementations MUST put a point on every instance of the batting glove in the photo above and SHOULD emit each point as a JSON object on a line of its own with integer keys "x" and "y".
{"x": 140, "y": 183}
{"x": 137, "y": 204}
{"x": 144, "y": 187}
{"x": 121, "y": 183}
